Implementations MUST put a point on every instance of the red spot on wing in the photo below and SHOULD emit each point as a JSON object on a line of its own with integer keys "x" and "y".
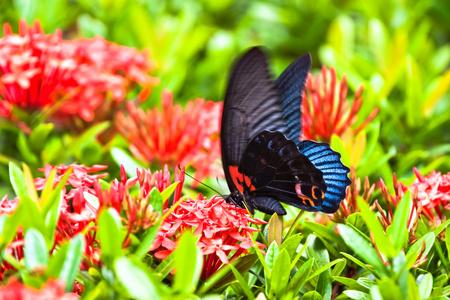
{"x": 240, "y": 179}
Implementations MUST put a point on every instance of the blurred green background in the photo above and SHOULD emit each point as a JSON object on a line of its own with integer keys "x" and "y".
{"x": 399, "y": 51}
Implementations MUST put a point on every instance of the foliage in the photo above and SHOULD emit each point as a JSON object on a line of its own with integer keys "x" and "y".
{"x": 76, "y": 90}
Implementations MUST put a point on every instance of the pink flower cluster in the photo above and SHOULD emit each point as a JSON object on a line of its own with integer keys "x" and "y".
{"x": 39, "y": 70}
{"x": 224, "y": 231}
{"x": 433, "y": 192}
{"x": 174, "y": 136}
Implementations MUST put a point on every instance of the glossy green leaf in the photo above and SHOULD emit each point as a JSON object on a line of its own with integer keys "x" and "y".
{"x": 362, "y": 248}
{"x": 156, "y": 200}
{"x": 325, "y": 232}
{"x": 35, "y": 250}
{"x": 280, "y": 274}
{"x": 351, "y": 283}
{"x": 291, "y": 244}
{"x": 352, "y": 294}
{"x": 65, "y": 263}
{"x": 17, "y": 180}
{"x": 301, "y": 276}
{"x": 416, "y": 249}
{"x": 188, "y": 261}
{"x": 135, "y": 280}
{"x": 374, "y": 225}
{"x": 389, "y": 290}
{"x": 109, "y": 235}
{"x": 271, "y": 256}
{"x": 169, "y": 190}
{"x": 243, "y": 284}
{"x": 313, "y": 295}
{"x": 275, "y": 229}
{"x": 325, "y": 268}
{"x": 166, "y": 265}
{"x": 413, "y": 290}
{"x": 425, "y": 286}
{"x": 399, "y": 232}
{"x": 224, "y": 276}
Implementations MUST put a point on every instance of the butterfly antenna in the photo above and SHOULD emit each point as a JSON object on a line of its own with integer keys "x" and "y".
{"x": 203, "y": 184}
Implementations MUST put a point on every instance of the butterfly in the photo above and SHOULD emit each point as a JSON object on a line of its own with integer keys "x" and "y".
{"x": 264, "y": 160}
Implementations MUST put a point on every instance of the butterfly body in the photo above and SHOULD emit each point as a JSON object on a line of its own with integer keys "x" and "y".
{"x": 261, "y": 148}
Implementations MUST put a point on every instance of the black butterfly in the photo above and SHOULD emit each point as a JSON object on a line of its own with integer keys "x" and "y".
{"x": 265, "y": 162}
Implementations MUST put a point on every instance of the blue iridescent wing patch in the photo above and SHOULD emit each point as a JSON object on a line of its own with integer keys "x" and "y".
{"x": 335, "y": 174}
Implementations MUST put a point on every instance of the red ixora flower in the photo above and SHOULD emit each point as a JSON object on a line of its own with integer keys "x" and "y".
{"x": 224, "y": 231}
{"x": 52, "y": 290}
{"x": 325, "y": 109}
{"x": 174, "y": 136}
{"x": 68, "y": 77}
{"x": 433, "y": 192}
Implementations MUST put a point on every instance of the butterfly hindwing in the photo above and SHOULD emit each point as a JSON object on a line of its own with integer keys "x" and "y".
{"x": 274, "y": 168}
{"x": 335, "y": 174}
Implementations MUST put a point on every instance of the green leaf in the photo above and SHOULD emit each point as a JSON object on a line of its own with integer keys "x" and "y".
{"x": 362, "y": 248}
{"x": 325, "y": 232}
{"x": 271, "y": 255}
{"x": 39, "y": 135}
{"x": 339, "y": 267}
{"x": 147, "y": 240}
{"x": 109, "y": 235}
{"x": 17, "y": 179}
{"x": 374, "y": 225}
{"x": 389, "y": 289}
{"x": 313, "y": 295}
{"x": 242, "y": 283}
{"x": 27, "y": 207}
{"x": 280, "y": 274}
{"x": 399, "y": 231}
{"x": 166, "y": 265}
{"x": 223, "y": 277}
{"x": 325, "y": 268}
{"x": 135, "y": 280}
{"x": 361, "y": 264}
{"x": 416, "y": 249}
{"x": 25, "y": 150}
{"x": 123, "y": 158}
{"x": 351, "y": 283}
{"x": 413, "y": 290}
{"x": 300, "y": 277}
{"x": 291, "y": 244}
{"x": 35, "y": 250}
{"x": 425, "y": 286}
{"x": 188, "y": 261}
{"x": 156, "y": 200}
{"x": 169, "y": 190}
{"x": 356, "y": 295}
{"x": 275, "y": 229}
{"x": 65, "y": 263}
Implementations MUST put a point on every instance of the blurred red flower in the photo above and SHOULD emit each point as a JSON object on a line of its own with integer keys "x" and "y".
{"x": 71, "y": 78}
{"x": 326, "y": 110}
{"x": 174, "y": 136}
{"x": 433, "y": 192}
{"x": 224, "y": 231}
{"x": 52, "y": 290}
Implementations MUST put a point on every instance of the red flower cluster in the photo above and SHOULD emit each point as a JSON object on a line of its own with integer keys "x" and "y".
{"x": 325, "y": 109}
{"x": 224, "y": 231}
{"x": 52, "y": 290}
{"x": 175, "y": 137}
{"x": 433, "y": 192}
{"x": 74, "y": 77}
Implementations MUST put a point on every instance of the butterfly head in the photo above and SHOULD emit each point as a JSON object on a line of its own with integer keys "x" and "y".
{"x": 238, "y": 199}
